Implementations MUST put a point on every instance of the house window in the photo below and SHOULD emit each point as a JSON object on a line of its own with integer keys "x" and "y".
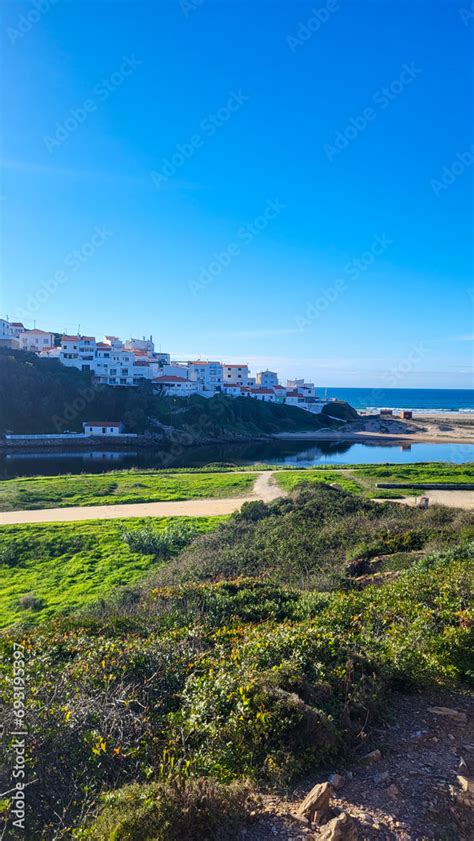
{"x": 104, "y": 430}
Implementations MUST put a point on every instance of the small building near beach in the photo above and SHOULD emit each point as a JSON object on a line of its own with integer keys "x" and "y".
{"x": 103, "y": 428}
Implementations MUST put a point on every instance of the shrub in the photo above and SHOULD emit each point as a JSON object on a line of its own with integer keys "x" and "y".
{"x": 162, "y": 544}
{"x": 191, "y": 810}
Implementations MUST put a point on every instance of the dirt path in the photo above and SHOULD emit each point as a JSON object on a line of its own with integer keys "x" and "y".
{"x": 265, "y": 488}
{"x": 423, "y": 756}
{"x": 452, "y": 499}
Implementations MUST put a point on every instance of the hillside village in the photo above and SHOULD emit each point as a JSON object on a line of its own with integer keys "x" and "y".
{"x": 115, "y": 362}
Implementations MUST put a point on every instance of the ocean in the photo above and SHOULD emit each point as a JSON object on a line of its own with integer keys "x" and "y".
{"x": 423, "y": 399}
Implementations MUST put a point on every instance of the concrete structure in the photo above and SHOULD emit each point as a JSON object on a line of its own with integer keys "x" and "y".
{"x": 236, "y": 374}
{"x": 103, "y": 428}
{"x": 7, "y": 336}
{"x": 306, "y": 389}
{"x": 175, "y": 386}
{"x": 267, "y": 379}
{"x": 140, "y": 344}
{"x": 267, "y": 395}
{"x": 208, "y": 375}
{"x": 35, "y": 340}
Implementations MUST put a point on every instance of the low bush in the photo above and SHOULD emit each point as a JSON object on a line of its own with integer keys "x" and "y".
{"x": 189, "y": 810}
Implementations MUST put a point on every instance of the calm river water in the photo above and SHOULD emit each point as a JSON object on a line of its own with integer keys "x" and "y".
{"x": 302, "y": 454}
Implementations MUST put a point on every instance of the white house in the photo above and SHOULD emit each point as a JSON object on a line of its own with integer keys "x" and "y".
{"x": 16, "y": 328}
{"x": 175, "y": 386}
{"x": 306, "y": 389}
{"x": 7, "y": 337}
{"x": 267, "y": 395}
{"x": 293, "y": 398}
{"x": 35, "y": 340}
{"x": 103, "y": 428}
{"x": 235, "y": 374}
{"x": 267, "y": 379}
{"x": 208, "y": 375}
{"x": 232, "y": 389}
{"x": 140, "y": 344}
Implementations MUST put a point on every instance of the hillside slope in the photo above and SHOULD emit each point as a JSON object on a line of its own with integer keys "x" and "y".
{"x": 43, "y": 396}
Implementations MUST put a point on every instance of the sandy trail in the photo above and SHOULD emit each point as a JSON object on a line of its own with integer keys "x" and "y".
{"x": 265, "y": 488}
{"x": 452, "y": 499}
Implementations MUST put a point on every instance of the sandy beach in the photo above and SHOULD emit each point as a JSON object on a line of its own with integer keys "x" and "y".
{"x": 445, "y": 428}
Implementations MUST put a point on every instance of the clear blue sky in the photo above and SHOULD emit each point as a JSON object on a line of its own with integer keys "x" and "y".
{"x": 237, "y": 108}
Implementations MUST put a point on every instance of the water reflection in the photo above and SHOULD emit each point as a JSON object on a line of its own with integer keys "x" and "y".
{"x": 296, "y": 453}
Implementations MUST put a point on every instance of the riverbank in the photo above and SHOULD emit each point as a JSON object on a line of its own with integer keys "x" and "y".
{"x": 453, "y": 427}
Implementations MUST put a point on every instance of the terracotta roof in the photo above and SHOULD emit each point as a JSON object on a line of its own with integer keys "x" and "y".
{"x": 102, "y": 423}
{"x": 102, "y": 346}
{"x": 262, "y": 390}
{"x": 141, "y": 363}
{"x": 200, "y": 362}
{"x": 70, "y": 339}
{"x": 16, "y": 324}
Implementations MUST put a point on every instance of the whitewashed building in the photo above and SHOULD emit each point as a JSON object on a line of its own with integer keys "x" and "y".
{"x": 7, "y": 337}
{"x": 175, "y": 386}
{"x": 35, "y": 340}
{"x": 208, "y": 375}
{"x": 103, "y": 428}
{"x": 235, "y": 374}
{"x": 267, "y": 379}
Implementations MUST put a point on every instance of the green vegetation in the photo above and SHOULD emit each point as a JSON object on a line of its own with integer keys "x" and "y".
{"x": 242, "y": 655}
{"x": 241, "y": 679}
{"x": 315, "y": 539}
{"x": 120, "y": 487}
{"x": 194, "y": 810}
{"x": 289, "y": 479}
{"x": 51, "y": 568}
{"x": 41, "y": 396}
{"x": 362, "y": 478}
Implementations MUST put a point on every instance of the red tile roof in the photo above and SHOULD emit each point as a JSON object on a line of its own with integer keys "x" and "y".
{"x": 70, "y": 339}
{"x": 102, "y": 423}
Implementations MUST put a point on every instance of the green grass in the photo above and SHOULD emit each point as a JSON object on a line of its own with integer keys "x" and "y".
{"x": 361, "y": 479}
{"x": 66, "y": 566}
{"x": 126, "y": 486}
{"x": 289, "y": 479}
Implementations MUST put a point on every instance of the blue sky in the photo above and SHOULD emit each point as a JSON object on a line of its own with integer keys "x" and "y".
{"x": 287, "y": 183}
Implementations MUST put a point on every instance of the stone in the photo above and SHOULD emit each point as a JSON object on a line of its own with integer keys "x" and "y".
{"x": 342, "y": 828}
{"x": 316, "y": 802}
{"x": 373, "y": 756}
{"x": 337, "y": 781}
{"x": 393, "y": 791}
{"x": 455, "y": 715}
{"x": 383, "y": 777}
{"x": 466, "y": 796}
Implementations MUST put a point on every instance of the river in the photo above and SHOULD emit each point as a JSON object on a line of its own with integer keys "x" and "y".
{"x": 298, "y": 453}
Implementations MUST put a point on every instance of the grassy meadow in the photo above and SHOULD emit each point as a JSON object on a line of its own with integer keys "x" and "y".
{"x": 58, "y": 567}
{"x": 125, "y": 486}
